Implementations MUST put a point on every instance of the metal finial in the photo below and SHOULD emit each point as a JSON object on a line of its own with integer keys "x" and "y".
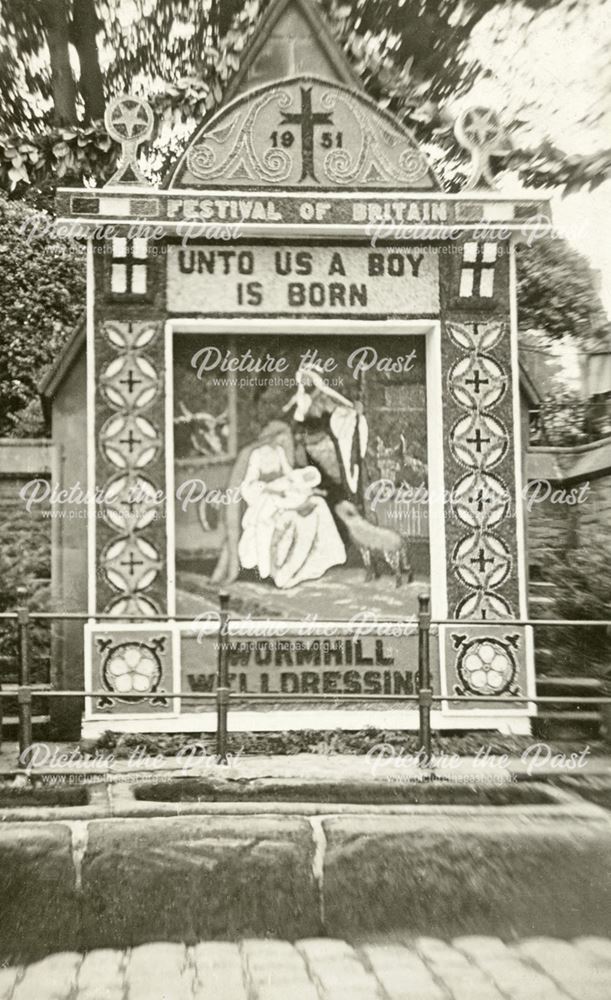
{"x": 129, "y": 121}
{"x": 480, "y": 132}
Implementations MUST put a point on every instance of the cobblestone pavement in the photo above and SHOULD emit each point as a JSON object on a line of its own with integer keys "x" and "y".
{"x": 470, "y": 968}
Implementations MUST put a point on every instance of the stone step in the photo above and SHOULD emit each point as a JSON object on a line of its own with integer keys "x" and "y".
{"x": 423, "y": 968}
{"x": 77, "y": 885}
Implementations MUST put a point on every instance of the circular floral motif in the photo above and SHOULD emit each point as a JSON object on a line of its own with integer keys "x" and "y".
{"x": 486, "y": 666}
{"x": 480, "y": 500}
{"x": 131, "y": 503}
{"x": 129, "y": 441}
{"x": 482, "y": 561}
{"x": 129, "y": 383}
{"x": 132, "y": 668}
{"x": 479, "y": 441}
{"x": 477, "y": 382}
{"x": 131, "y": 565}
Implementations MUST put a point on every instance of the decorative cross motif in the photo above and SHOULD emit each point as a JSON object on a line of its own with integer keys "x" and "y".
{"x": 131, "y": 563}
{"x": 308, "y": 120}
{"x": 131, "y": 505}
{"x": 132, "y": 441}
{"x": 480, "y": 500}
{"x": 131, "y": 382}
{"x": 481, "y": 560}
{"x": 476, "y": 382}
{"x": 478, "y": 441}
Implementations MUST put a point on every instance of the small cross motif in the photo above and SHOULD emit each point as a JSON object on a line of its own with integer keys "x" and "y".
{"x": 478, "y": 441}
{"x": 480, "y": 500}
{"x": 131, "y": 441}
{"x": 130, "y": 381}
{"x": 132, "y": 563}
{"x": 481, "y": 560}
{"x": 131, "y": 504}
{"x": 476, "y": 381}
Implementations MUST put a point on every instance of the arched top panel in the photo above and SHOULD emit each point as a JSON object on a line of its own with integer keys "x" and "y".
{"x": 303, "y": 133}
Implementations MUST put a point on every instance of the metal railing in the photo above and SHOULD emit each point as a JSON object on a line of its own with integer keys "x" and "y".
{"x": 425, "y": 698}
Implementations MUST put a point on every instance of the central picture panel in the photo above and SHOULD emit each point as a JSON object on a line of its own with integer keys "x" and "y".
{"x": 301, "y": 477}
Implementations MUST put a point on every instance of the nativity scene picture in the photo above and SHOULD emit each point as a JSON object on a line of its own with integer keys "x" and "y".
{"x": 288, "y": 491}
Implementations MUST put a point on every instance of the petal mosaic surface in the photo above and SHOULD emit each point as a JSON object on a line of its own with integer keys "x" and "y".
{"x": 131, "y": 502}
{"x": 478, "y": 382}
{"x": 131, "y": 564}
{"x": 479, "y": 442}
{"x": 130, "y": 384}
{"x": 480, "y": 500}
{"x": 129, "y": 442}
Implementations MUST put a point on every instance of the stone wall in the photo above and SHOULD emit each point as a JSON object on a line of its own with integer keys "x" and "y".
{"x": 25, "y": 547}
{"x": 594, "y": 521}
{"x": 25, "y": 536}
{"x": 550, "y": 528}
{"x": 557, "y": 528}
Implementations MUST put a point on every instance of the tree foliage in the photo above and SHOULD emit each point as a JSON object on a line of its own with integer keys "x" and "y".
{"x": 412, "y": 55}
{"x": 41, "y": 296}
{"x": 558, "y": 291}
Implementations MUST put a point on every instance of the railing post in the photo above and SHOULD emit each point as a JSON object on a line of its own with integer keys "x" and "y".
{"x": 24, "y": 692}
{"x": 24, "y": 706}
{"x": 425, "y": 692}
{"x": 23, "y": 627}
{"x": 222, "y": 686}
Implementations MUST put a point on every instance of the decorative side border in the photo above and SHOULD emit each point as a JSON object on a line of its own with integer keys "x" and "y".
{"x": 481, "y": 526}
{"x": 130, "y": 470}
